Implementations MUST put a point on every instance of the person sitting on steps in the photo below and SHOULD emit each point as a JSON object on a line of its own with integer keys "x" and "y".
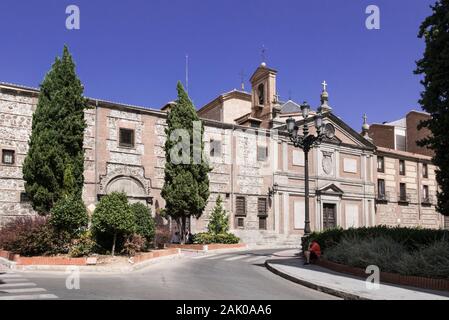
{"x": 313, "y": 253}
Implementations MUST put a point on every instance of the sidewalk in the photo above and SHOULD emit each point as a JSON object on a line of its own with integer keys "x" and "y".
{"x": 290, "y": 266}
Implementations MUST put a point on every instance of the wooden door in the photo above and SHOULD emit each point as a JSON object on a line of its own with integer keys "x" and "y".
{"x": 329, "y": 216}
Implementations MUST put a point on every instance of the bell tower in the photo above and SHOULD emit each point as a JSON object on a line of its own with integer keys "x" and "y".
{"x": 263, "y": 84}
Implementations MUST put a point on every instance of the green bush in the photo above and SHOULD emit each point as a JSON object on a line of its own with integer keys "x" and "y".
{"x": 113, "y": 217}
{"x": 430, "y": 261}
{"x": 219, "y": 222}
{"x": 411, "y": 238}
{"x": 210, "y": 238}
{"x": 144, "y": 222}
{"x": 69, "y": 214}
{"x": 83, "y": 246}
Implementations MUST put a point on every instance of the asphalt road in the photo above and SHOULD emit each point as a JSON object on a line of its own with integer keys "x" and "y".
{"x": 232, "y": 276}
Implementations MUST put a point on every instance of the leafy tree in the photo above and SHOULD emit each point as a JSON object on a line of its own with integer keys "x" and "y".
{"x": 186, "y": 187}
{"x": 434, "y": 99}
{"x": 69, "y": 214}
{"x": 218, "y": 223}
{"x": 57, "y": 135}
{"x": 113, "y": 216}
{"x": 143, "y": 220}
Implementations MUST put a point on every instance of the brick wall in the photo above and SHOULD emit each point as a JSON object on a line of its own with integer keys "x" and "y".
{"x": 414, "y": 135}
{"x": 382, "y": 135}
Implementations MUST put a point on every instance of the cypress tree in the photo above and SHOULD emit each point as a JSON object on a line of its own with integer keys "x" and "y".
{"x": 434, "y": 99}
{"x": 219, "y": 222}
{"x": 54, "y": 165}
{"x": 186, "y": 187}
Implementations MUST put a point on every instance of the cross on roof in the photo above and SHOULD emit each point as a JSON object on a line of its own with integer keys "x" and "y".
{"x": 263, "y": 53}
{"x": 324, "y": 85}
{"x": 242, "y": 75}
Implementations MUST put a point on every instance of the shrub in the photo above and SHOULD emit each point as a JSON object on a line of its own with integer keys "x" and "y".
{"x": 33, "y": 236}
{"x": 218, "y": 222}
{"x": 134, "y": 244}
{"x": 143, "y": 220}
{"x": 210, "y": 238}
{"x": 113, "y": 217}
{"x": 411, "y": 238}
{"x": 69, "y": 214}
{"x": 391, "y": 256}
{"x": 83, "y": 246}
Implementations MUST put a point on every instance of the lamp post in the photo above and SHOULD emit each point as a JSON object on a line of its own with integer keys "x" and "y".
{"x": 306, "y": 142}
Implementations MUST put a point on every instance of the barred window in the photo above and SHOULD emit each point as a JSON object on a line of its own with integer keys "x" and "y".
{"x": 240, "y": 206}
{"x": 402, "y": 167}
{"x": 240, "y": 223}
{"x": 262, "y": 223}
{"x": 262, "y": 207}
{"x": 126, "y": 138}
{"x": 8, "y": 156}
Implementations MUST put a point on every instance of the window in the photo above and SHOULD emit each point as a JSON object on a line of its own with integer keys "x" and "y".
{"x": 261, "y": 94}
{"x": 262, "y": 153}
{"x": 262, "y": 207}
{"x": 126, "y": 138}
{"x": 380, "y": 164}
{"x": 425, "y": 194}
{"x": 255, "y": 124}
{"x": 8, "y": 156}
{"x": 240, "y": 223}
{"x": 240, "y": 206}
{"x": 262, "y": 223}
{"x": 215, "y": 148}
{"x": 402, "y": 167}
{"x": 381, "y": 189}
{"x": 425, "y": 171}
{"x": 402, "y": 192}
{"x": 24, "y": 197}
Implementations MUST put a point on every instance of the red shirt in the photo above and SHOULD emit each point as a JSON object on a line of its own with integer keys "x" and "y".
{"x": 315, "y": 247}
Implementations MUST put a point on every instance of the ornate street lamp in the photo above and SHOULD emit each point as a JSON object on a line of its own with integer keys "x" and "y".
{"x": 306, "y": 142}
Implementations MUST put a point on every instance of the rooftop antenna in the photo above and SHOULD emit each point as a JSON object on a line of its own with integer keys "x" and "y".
{"x": 187, "y": 73}
{"x": 242, "y": 75}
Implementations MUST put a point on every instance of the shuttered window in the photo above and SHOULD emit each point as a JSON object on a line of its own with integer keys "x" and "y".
{"x": 262, "y": 223}
{"x": 240, "y": 206}
{"x": 262, "y": 207}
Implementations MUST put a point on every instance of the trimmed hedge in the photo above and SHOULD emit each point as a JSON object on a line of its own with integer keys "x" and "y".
{"x": 210, "y": 238}
{"x": 411, "y": 238}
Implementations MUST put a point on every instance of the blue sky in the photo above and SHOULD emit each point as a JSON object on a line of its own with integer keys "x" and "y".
{"x": 134, "y": 51}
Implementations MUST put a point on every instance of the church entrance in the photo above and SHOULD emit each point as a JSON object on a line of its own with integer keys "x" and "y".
{"x": 329, "y": 216}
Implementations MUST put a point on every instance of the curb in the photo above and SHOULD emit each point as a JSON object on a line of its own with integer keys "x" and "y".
{"x": 338, "y": 293}
{"x": 89, "y": 269}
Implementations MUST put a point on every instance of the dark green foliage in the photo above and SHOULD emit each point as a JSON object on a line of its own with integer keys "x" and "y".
{"x": 434, "y": 99}
{"x": 218, "y": 222}
{"x": 69, "y": 214}
{"x": 410, "y": 238}
{"x": 33, "y": 237}
{"x": 54, "y": 165}
{"x": 144, "y": 221}
{"x": 186, "y": 187}
{"x": 430, "y": 260}
{"x": 210, "y": 238}
{"x": 113, "y": 217}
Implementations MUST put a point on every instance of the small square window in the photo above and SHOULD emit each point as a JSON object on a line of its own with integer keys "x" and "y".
{"x": 8, "y": 157}
{"x": 262, "y": 153}
{"x": 126, "y": 138}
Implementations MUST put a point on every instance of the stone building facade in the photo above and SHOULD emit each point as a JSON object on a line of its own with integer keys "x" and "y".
{"x": 256, "y": 170}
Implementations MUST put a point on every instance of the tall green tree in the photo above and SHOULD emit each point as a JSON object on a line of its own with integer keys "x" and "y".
{"x": 186, "y": 187}
{"x": 54, "y": 165}
{"x": 434, "y": 66}
{"x": 219, "y": 222}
